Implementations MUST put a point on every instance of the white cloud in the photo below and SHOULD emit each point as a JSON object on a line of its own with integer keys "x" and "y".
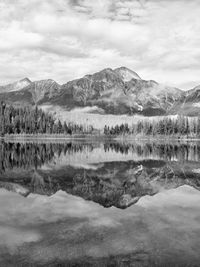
{"x": 64, "y": 39}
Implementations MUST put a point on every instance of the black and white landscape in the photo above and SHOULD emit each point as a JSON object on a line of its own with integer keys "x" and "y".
{"x": 99, "y": 133}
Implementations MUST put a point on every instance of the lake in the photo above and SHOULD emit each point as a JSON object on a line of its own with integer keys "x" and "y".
{"x": 82, "y": 203}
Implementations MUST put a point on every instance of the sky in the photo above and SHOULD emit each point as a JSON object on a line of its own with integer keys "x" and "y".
{"x": 66, "y": 39}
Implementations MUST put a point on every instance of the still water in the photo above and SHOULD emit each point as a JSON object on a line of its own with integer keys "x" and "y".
{"x": 99, "y": 204}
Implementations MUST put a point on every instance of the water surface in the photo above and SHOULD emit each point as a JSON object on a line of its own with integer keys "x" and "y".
{"x": 99, "y": 204}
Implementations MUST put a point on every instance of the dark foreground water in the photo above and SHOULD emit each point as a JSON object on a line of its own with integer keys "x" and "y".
{"x": 99, "y": 204}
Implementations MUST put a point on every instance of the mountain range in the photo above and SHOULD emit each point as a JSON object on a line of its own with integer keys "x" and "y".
{"x": 110, "y": 91}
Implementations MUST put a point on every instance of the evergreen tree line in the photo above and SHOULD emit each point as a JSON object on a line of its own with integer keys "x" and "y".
{"x": 28, "y": 120}
{"x": 179, "y": 125}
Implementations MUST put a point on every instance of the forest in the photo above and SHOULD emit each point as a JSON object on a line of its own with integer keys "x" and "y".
{"x": 27, "y": 120}
{"x": 176, "y": 126}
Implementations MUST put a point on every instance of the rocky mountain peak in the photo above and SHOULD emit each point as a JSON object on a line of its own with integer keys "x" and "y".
{"x": 126, "y": 74}
{"x": 25, "y": 80}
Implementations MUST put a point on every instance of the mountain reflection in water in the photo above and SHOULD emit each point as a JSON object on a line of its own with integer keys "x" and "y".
{"x": 150, "y": 191}
{"x": 111, "y": 174}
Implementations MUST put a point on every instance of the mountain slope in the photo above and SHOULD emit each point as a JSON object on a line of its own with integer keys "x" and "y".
{"x": 116, "y": 94}
{"x": 32, "y": 93}
{"x": 90, "y": 89}
{"x": 16, "y": 86}
{"x": 44, "y": 89}
{"x": 188, "y": 104}
{"x": 150, "y": 97}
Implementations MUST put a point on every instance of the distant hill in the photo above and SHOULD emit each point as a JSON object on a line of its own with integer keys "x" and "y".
{"x": 110, "y": 91}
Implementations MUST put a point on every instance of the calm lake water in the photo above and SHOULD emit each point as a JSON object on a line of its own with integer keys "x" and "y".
{"x": 99, "y": 204}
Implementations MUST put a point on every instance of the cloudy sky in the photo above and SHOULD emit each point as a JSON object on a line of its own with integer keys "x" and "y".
{"x": 66, "y": 39}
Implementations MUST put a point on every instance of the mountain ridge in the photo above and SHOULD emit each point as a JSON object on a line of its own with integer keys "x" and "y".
{"x": 115, "y": 91}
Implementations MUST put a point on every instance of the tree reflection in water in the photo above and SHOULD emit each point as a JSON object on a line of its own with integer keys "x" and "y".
{"x": 108, "y": 173}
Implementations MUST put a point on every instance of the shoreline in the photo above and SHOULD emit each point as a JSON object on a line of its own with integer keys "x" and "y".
{"x": 19, "y": 137}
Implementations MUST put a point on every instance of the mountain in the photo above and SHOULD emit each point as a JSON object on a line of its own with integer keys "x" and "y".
{"x": 42, "y": 90}
{"x": 32, "y": 93}
{"x": 16, "y": 86}
{"x": 110, "y": 91}
{"x": 188, "y": 104}
{"x": 117, "y": 92}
